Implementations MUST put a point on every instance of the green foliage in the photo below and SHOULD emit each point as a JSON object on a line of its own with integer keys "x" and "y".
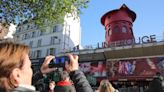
{"x": 39, "y": 11}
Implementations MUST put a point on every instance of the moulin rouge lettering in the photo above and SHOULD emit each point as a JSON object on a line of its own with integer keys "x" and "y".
{"x": 140, "y": 40}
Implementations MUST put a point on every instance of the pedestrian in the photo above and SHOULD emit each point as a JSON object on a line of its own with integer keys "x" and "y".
{"x": 79, "y": 80}
{"x": 15, "y": 68}
{"x": 52, "y": 86}
{"x": 64, "y": 84}
{"x": 106, "y": 86}
{"x": 155, "y": 85}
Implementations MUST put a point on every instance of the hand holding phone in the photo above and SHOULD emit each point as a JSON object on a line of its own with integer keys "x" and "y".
{"x": 73, "y": 63}
{"x": 59, "y": 61}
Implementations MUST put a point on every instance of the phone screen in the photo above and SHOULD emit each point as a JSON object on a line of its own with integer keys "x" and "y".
{"x": 59, "y": 61}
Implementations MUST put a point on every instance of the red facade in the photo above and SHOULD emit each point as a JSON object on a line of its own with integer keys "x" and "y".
{"x": 118, "y": 24}
{"x": 135, "y": 69}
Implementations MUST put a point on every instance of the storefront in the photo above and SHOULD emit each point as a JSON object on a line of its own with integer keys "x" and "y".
{"x": 95, "y": 71}
{"x": 134, "y": 74}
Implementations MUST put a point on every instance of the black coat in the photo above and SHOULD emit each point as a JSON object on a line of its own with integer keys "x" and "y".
{"x": 80, "y": 82}
{"x": 155, "y": 86}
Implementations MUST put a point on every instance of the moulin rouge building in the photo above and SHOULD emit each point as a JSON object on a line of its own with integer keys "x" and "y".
{"x": 122, "y": 57}
{"x": 130, "y": 60}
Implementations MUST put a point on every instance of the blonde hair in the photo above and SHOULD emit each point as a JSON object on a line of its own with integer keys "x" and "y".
{"x": 106, "y": 86}
{"x": 11, "y": 57}
{"x": 52, "y": 82}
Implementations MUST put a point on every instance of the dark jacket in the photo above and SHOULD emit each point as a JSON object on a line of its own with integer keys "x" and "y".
{"x": 36, "y": 77}
{"x": 155, "y": 86}
{"x": 80, "y": 82}
{"x": 63, "y": 86}
{"x": 38, "y": 82}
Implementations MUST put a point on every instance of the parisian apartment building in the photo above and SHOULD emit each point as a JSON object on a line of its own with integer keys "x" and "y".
{"x": 50, "y": 40}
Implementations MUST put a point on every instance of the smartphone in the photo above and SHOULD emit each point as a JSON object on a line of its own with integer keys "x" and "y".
{"x": 59, "y": 61}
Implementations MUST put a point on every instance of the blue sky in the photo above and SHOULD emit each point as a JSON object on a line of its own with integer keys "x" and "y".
{"x": 149, "y": 21}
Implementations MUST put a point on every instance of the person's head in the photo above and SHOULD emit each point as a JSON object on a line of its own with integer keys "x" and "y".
{"x": 15, "y": 66}
{"x": 64, "y": 76}
{"x": 106, "y": 86}
{"x": 51, "y": 85}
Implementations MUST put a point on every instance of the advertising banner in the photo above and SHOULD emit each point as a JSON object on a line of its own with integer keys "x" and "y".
{"x": 135, "y": 69}
{"x": 94, "y": 71}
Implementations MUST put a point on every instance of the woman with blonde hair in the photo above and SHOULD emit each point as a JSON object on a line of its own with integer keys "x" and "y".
{"x": 106, "y": 86}
{"x": 15, "y": 68}
{"x": 51, "y": 86}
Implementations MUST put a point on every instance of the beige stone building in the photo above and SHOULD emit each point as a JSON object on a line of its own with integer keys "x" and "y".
{"x": 3, "y": 30}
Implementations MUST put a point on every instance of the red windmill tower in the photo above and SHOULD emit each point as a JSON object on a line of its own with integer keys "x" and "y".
{"x": 118, "y": 25}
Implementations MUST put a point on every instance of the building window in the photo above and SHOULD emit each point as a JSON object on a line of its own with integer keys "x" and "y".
{"x": 33, "y": 54}
{"x": 28, "y": 26}
{"x": 108, "y": 17}
{"x": 54, "y": 29}
{"x": 52, "y": 51}
{"x": 47, "y": 52}
{"x": 42, "y": 32}
{"x": 31, "y": 43}
{"x": 38, "y": 33}
{"x": 124, "y": 29}
{"x": 53, "y": 40}
{"x": 18, "y": 30}
{"x": 39, "y": 42}
{"x": 38, "y": 53}
{"x": 17, "y": 37}
{"x": 109, "y": 32}
{"x": 33, "y": 34}
{"x": 116, "y": 29}
{"x": 109, "y": 29}
{"x": 25, "y": 36}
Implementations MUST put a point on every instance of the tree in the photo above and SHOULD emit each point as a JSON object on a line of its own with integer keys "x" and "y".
{"x": 39, "y": 11}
